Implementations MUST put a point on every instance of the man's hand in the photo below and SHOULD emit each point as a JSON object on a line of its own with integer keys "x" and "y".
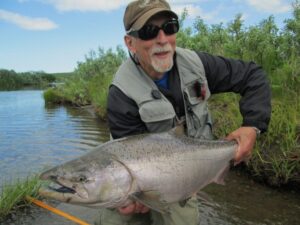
{"x": 245, "y": 137}
{"x": 132, "y": 208}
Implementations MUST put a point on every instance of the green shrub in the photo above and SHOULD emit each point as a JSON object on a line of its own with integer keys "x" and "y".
{"x": 52, "y": 95}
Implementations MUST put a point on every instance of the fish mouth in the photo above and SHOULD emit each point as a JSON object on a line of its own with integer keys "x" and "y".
{"x": 57, "y": 184}
{"x": 61, "y": 193}
{"x": 60, "y": 188}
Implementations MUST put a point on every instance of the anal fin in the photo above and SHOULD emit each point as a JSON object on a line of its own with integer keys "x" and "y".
{"x": 221, "y": 176}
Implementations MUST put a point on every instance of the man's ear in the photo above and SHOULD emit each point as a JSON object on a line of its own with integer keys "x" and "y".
{"x": 129, "y": 41}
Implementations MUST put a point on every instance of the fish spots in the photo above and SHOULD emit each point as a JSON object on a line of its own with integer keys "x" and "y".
{"x": 174, "y": 166}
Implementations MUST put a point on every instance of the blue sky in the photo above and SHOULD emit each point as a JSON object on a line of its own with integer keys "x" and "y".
{"x": 53, "y": 35}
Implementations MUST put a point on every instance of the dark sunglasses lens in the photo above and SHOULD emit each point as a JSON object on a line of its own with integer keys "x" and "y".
{"x": 171, "y": 27}
{"x": 148, "y": 32}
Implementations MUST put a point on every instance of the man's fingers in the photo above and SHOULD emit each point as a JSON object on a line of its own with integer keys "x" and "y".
{"x": 245, "y": 137}
{"x": 145, "y": 209}
{"x": 135, "y": 207}
{"x": 238, "y": 157}
{"x": 140, "y": 208}
{"x": 126, "y": 210}
{"x": 231, "y": 137}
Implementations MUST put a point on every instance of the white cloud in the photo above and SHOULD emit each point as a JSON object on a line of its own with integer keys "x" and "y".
{"x": 271, "y": 6}
{"x": 87, "y": 5}
{"x": 186, "y": 1}
{"x": 194, "y": 11}
{"x": 27, "y": 23}
{"x": 102, "y": 5}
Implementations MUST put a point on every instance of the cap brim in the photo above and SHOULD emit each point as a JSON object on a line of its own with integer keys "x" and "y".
{"x": 140, "y": 22}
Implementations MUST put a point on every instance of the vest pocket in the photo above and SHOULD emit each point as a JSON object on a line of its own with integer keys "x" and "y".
{"x": 155, "y": 110}
{"x": 198, "y": 119}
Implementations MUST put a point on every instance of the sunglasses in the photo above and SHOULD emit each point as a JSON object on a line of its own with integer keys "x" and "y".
{"x": 150, "y": 31}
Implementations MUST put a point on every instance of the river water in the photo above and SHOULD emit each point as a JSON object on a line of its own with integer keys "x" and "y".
{"x": 34, "y": 137}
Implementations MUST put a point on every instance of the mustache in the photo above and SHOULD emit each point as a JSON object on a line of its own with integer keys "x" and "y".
{"x": 159, "y": 49}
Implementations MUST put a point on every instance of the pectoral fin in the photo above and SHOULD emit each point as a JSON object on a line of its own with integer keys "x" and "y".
{"x": 152, "y": 199}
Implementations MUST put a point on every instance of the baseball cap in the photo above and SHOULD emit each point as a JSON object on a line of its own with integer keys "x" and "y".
{"x": 137, "y": 13}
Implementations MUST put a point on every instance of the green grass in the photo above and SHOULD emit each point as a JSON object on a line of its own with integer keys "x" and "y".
{"x": 74, "y": 91}
{"x": 276, "y": 157}
{"x": 53, "y": 96}
{"x": 13, "y": 195}
{"x": 277, "y": 153}
{"x": 98, "y": 91}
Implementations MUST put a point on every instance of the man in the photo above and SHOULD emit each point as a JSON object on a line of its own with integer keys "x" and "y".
{"x": 161, "y": 86}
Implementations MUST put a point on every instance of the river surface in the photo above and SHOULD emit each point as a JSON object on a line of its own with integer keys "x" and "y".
{"x": 34, "y": 137}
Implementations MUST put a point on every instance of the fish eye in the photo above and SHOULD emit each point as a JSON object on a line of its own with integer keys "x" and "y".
{"x": 82, "y": 178}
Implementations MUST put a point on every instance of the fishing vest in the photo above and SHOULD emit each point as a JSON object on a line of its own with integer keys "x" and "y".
{"x": 155, "y": 109}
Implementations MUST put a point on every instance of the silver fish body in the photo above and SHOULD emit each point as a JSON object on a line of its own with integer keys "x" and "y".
{"x": 155, "y": 169}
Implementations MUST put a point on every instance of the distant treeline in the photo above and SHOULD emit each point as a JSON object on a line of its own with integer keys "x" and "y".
{"x": 11, "y": 80}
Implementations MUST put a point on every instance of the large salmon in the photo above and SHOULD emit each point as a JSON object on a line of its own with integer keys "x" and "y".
{"x": 154, "y": 169}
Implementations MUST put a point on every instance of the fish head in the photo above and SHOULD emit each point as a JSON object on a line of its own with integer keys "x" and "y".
{"x": 92, "y": 180}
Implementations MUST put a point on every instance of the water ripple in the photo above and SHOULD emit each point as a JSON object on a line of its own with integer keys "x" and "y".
{"x": 33, "y": 136}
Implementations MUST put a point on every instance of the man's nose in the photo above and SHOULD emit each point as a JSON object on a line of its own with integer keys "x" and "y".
{"x": 161, "y": 37}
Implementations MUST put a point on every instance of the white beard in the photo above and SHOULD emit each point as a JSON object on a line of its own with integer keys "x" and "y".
{"x": 162, "y": 65}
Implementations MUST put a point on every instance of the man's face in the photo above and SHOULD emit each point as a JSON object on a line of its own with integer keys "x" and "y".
{"x": 155, "y": 55}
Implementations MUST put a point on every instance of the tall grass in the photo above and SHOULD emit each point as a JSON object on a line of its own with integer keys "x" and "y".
{"x": 98, "y": 90}
{"x": 277, "y": 154}
{"x": 13, "y": 195}
{"x": 276, "y": 157}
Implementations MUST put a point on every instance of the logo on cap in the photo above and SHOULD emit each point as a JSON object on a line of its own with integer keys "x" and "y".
{"x": 146, "y": 3}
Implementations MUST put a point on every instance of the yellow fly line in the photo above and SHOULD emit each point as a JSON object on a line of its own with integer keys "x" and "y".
{"x": 56, "y": 211}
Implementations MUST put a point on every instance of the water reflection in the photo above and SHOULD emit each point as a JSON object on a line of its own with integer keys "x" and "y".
{"x": 34, "y": 136}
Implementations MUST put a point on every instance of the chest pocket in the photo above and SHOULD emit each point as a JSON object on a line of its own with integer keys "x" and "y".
{"x": 155, "y": 110}
{"x": 198, "y": 117}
